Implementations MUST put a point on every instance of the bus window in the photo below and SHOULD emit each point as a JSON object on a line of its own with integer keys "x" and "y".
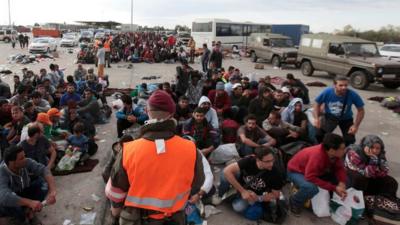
{"x": 202, "y": 27}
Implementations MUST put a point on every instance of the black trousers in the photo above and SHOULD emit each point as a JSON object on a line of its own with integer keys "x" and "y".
{"x": 122, "y": 125}
{"x": 386, "y": 186}
{"x": 329, "y": 125}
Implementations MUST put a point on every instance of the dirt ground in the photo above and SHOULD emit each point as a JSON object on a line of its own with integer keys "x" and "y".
{"x": 75, "y": 191}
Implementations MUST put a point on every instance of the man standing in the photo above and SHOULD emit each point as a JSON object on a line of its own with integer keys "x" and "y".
{"x": 192, "y": 46}
{"x": 140, "y": 185}
{"x": 216, "y": 57}
{"x": 20, "y": 196}
{"x": 205, "y": 57}
{"x": 101, "y": 61}
{"x": 107, "y": 49}
{"x": 317, "y": 166}
{"x": 337, "y": 101}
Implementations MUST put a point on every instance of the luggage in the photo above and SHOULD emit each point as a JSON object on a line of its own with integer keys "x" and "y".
{"x": 258, "y": 66}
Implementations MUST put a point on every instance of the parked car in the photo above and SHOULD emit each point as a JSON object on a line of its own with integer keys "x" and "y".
{"x": 43, "y": 44}
{"x": 5, "y": 34}
{"x": 86, "y": 35}
{"x": 99, "y": 35}
{"x": 275, "y": 48}
{"x": 353, "y": 57}
{"x": 391, "y": 51}
{"x": 69, "y": 40}
{"x": 182, "y": 39}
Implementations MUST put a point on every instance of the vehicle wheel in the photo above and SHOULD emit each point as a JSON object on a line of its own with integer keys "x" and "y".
{"x": 276, "y": 61}
{"x": 6, "y": 40}
{"x": 307, "y": 69}
{"x": 253, "y": 57}
{"x": 359, "y": 80}
{"x": 391, "y": 85}
{"x": 48, "y": 50}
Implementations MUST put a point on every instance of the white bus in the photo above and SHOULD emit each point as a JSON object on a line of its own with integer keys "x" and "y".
{"x": 230, "y": 34}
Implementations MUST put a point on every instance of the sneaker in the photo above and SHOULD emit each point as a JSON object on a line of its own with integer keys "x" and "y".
{"x": 229, "y": 193}
{"x": 296, "y": 210}
{"x": 216, "y": 200}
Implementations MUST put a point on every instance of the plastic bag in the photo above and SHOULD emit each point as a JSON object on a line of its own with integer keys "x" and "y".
{"x": 224, "y": 153}
{"x": 350, "y": 210}
{"x": 320, "y": 203}
{"x": 68, "y": 162}
{"x": 192, "y": 214}
{"x": 88, "y": 218}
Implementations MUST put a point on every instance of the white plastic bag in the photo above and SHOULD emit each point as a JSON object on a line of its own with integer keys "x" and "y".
{"x": 350, "y": 210}
{"x": 224, "y": 153}
{"x": 320, "y": 203}
{"x": 67, "y": 162}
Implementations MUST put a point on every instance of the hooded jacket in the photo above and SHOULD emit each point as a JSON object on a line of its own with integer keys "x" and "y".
{"x": 371, "y": 167}
{"x": 11, "y": 183}
{"x": 260, "y": 106}
{"x": 211, "y": 114}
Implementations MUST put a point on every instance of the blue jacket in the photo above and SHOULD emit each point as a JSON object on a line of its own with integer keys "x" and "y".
{"x": 138, "y": 112}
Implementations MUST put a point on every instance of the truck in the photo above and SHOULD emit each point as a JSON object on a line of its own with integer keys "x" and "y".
{"x": 355, "y": 58}
{"x": 294, "y": 31}
{"x": 41, "y": 32}
{"x": 5, "y": 34}
{"x": 275, "y": 48}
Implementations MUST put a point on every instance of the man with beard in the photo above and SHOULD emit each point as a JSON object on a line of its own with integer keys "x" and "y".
{"x": 251, "y": 136}
{"x": 337, "y": 101}
{"x": 262, "y": 105}
{"x": 220, "y": 99}
{"x": 202, "y": 132}
{"x": 210, "y": 113}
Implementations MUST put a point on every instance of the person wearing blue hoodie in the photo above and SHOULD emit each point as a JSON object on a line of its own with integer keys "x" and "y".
{"x": 129, "y": 115}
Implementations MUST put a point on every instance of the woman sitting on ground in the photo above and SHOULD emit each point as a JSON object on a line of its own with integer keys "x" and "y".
{"x": 367, "y": 168}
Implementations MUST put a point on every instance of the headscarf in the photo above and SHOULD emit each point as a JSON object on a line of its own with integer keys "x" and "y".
{"x": 288, "y": 112}
{"x": 369, "y": 141}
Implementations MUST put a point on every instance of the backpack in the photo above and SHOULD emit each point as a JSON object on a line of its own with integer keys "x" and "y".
{"x": 275, "y": 213}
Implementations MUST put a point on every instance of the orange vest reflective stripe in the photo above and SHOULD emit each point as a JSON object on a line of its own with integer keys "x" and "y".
{"x": 160, "y": 182}
{"x": 107, "y": 45}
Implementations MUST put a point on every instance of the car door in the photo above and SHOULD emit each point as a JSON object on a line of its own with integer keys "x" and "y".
{"x": 335, "y": 59}
{"x": 267, "y": 49}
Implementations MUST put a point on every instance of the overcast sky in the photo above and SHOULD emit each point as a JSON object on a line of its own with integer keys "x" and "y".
{"x": 321, "y": 15}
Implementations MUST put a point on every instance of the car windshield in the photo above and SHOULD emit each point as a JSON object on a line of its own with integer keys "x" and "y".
{"x": 184, "y": 35}
{"x": 40, "y": 41}
{"x": 86, "y": 33}
{"x": 361, "y": 49}
{"x": 391, "y": 48}
{"x": 281, "y": 43}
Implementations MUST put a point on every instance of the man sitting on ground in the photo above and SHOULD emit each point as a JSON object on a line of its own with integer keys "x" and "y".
{"x": 210, "y": 113}
{"x": 20, "y": 196}
{"x": 202, "y": 132}
{"x": 128, "y": 116}
{"x": 252, "y": 136}
{"x": 38, "y": 147}
{"x": 317, "y": 166}
{"x": 255, "y": 178}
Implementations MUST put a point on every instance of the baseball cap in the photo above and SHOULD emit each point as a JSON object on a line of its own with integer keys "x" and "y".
{"x": 54, "y": 112}
{"x": 43, "y": 118}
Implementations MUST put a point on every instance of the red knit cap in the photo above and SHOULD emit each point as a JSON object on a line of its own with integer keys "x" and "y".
{"x": 162, "y": 101}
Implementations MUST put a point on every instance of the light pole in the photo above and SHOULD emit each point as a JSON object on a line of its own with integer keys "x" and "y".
{"x": 9, "y": 13}
{"x": 131, "y": 15}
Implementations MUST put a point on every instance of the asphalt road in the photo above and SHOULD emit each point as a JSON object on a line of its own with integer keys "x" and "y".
{"x": 75, "y": 191}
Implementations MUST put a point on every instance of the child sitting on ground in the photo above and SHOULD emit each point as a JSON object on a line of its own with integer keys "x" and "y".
{"x": 79, "y": 142}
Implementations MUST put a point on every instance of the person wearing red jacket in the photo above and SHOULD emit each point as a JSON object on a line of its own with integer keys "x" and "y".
{"x": 220, "y": 99}
{"x": 318, "y": 166}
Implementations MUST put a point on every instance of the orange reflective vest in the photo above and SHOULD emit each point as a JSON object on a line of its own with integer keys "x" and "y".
{"x": 107, "y": 45}
{"x": 160, "y": 182}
